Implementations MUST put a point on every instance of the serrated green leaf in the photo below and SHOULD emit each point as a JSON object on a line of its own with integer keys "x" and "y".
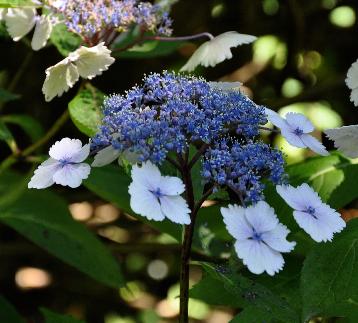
{"x": 111, "y": 183}
{"x": 248, "y": 293}
{"x": 65, "y": 41}
{"x": 43, "y": 217}
{"x": 85, "y": 110}
{"x": 52, "y": 317}
{"x": 18, "y": 3}
{"x": 8, "y": 313}
{"x": 329, "y": 281}
{"x": 30, "y": 125}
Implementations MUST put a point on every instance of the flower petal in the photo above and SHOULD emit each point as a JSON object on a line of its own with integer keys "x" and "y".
{"x": 92, "y": 61}
{"x": 313, "y": 144}
{"x": 72, "y": 175}
{"x": 261, "y": 216}
{"x": 216, "y": 50}
{"x": 42, "y": 177}
{"x": 175, "y": 209}
{"x": 145, "y": 203}
{"x": 316, "y": 228}
{"x": 292, "y": 138}
{"x": 170, "y": 185}
{"x": 147, "y": 176}
{"x": 59, "y": 78}
{"x": 258, "y": 257}
{"x": 298, "y": 120}
{"x": 19, "y": 22}
{"x": 352, "y": 76}
{"x": 42, "y": 32}
{"x": 81, "y": 155}
{"x": 235, "y": 222}
{"x": 105, "y": 156}
{"x": 275, "y": 118}
{"x": 276, "y": 239}
{"x": 66, "y": 148}
{"x": 345, "y": 139}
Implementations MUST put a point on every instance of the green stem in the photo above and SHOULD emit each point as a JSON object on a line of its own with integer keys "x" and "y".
{"x": 9, "y": 161}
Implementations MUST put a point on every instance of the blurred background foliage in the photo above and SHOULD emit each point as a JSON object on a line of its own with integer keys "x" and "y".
{"x": 298, "y": 63}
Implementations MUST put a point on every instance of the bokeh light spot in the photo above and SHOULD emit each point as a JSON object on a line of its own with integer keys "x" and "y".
{"x": 343, "y": 17}
{"x": 81, "y": 211}
{"x": 291, "y": 87}
{"x": 158, "y": 269}
{"x": 270, "y": 7}
{"x": 31, "y": 278}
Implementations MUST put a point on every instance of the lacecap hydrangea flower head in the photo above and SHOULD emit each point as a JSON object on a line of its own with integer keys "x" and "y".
{"x": 184, "y": 121}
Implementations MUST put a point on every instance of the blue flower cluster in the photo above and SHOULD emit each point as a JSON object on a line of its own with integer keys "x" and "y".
{"x": 169, "y": 112}
{"x": 242, "y": 166}
{"x": 90, "y": 18}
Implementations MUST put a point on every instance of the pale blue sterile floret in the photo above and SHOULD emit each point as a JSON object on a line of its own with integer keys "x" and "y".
{"x": 169, "y": 112}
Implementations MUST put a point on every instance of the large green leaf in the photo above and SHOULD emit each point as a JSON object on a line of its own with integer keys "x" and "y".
{"x": 252, "y": 314}
{"x": 329, "y": 281}
{"x": 244, "y": 292}
{"x": 6, "y": 135}
{"x": 8, "y": 314}
{"x": 30, "y": 125}
{"x": 6, "y": 96}
{"x": 111, "y": 183}
{"x": 17, "y": 3}
{"x": 65, "y": 41}
{"x": 43, "y": 217}
{"x": 85, "y": 110}
{"x": 52, "y": 317}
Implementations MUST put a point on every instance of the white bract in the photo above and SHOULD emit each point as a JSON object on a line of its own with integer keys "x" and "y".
{"x": 318, "y": 219}
{"x": 216, "y": 50}
{"x": 345, "y": 139}
{"x": 260, "y": 238}
{"x": 85, "y": 62}
{"x": 20, "y": 22}
{"x": 65, "y": 165}
{"x": 352, "y": 82}
{"x": 109, "y": 154}
{"x": 226, "y": 86}
{"x": 295, "y": 128}
{"x": 157, "y": 197}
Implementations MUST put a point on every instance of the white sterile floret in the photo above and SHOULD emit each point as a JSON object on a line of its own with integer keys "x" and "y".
{"x": 19, "y": 22}
{"x": 345, "y": 139}
{"x": 216, "y": 50}
{"x": 42, "y": 32}
{"x": 84, "y": 62}
{"x": 352, "y": 82}
{"x": 157, "y": 197}
{"x": 295, "y": 128}
{"x": 260, "y": 238}
{"x": 65, "y": 165}
{"x": 318, "y": 219}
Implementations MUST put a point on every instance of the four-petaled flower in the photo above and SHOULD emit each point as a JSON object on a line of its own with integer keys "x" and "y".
{"x": 260, "y": 238}
{"x": 157, "y": 197}
{"x": 352, "y": 82}
{"x": 296, "y": 128}
{"x": 318, "y": 219}
{"x": 216, "y": 50}
{"x": 65, "y": 165}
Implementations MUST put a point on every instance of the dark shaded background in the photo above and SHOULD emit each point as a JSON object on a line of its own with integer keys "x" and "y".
{"x": 303, "y": 25}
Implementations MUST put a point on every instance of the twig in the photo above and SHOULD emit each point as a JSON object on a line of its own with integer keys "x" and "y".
{"x": 198, "y": 154}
